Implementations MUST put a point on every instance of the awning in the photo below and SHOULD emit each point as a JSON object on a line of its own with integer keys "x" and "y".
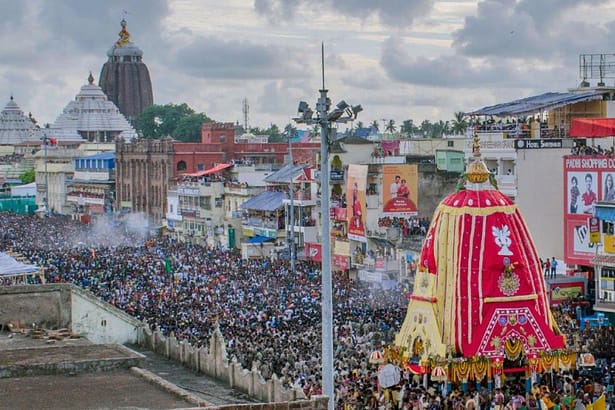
{"x": 215, "y": 169}
{"x": 286, "y": 173}
{"x": 537, "y": 103}
{"x": 604, "y": 211}
{"x": 265, "y": 201}
{"x": 592, "y": 127}
{"x": 258, "y": 239}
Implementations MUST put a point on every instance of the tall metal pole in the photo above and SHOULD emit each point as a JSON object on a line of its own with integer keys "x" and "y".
{"x": 327, "y": 282}
{"x": 46, "y": 177}
{"x": 292, "y": 206}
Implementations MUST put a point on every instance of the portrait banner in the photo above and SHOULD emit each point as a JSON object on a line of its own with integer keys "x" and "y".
{"x": 400, "y": 190}
{"x": 355, "y": 200}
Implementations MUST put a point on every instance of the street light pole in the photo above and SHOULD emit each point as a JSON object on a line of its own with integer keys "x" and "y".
{"x": 341, "y": 114}
{"x": 326, "y": 275}
{"x": 292, "y": 206}
{"x": 46, "y": 201}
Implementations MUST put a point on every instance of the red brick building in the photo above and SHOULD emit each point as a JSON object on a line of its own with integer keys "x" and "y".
{"x": 219, "y": 144}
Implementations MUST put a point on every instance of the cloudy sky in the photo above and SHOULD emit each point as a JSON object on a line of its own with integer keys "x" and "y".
{"x": 400, "y": 59}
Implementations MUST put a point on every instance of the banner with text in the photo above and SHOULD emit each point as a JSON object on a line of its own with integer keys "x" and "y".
{"x": 587, "y": 179}
{"x": 400, "y": 190}
{"x": 355, "y": 200}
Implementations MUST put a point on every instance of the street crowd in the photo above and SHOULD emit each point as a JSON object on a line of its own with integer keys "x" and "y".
{"x": 270, "y": 316}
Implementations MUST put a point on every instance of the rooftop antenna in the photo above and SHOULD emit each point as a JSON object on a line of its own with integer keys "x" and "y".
{"x": 246, "y": 112}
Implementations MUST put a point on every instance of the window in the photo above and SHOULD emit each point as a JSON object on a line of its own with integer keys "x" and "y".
{"x": 450, "y": 144}
{"x": 181, "y": 166}
{"x": 205, "y": 202}
{"x": 200, "y": 167}
{"x": 170, "y": 208}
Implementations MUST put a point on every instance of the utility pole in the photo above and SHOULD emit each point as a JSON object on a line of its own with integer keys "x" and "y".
{"x": 292, "y": 205}
{"x": 46, "y": 201}
{"x": 342, "y": 113}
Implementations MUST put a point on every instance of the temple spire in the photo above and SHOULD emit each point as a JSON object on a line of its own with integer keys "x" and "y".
{"x": 477, "y": 171}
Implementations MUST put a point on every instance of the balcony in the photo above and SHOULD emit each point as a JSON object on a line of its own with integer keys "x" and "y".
{"x": 301, "y": 198}
{"x": 255, "y": 226}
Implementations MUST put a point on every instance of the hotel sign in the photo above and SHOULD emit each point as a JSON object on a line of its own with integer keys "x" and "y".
{"x": 538, "y": 144}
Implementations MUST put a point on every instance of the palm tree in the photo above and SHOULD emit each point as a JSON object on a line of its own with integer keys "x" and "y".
{"x": 460, "y": 123}
{"x": 407, "y": 128}
{"x": 375, "y": 125}
{"x": 359, "y": 125}
{"x": 391, "y": 127}
{"x": 426, "y": 129}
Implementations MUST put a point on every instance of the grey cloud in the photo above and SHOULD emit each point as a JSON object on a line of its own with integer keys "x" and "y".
{"x": 210, "y": 57}
{"x": 11, "y": 14}
{"x": 94, "y": 25}
{"x": 524, "y": 29}
{"x": 457, "y": 71}
{"x": 399, "y": 13}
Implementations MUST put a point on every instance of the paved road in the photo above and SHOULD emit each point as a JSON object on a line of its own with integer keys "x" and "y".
{"x": 205, "y": 387}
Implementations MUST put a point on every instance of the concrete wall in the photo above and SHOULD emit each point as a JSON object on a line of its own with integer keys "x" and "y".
{"x": 540, "y": 196}
{"x": 55, "y": 306}
{"x": 101, "y": 322}
{"x": 213, "y": 361}
{"x": 47, "y": 305}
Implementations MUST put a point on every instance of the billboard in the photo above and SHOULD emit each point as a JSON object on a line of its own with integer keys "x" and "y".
{"x": 355, "y": 200}
{"x": 560, "y": 292}
{"x": 400, "y": 190}
{"x": 313, "y": 251}
{"x": 587, "y": 179}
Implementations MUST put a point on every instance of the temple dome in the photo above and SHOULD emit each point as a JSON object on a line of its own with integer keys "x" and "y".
{"x": 15, "y": 126}
{"x": 93, "y": 116}
{"x": 125, "y": 79}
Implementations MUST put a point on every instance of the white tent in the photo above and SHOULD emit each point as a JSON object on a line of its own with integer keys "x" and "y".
{"x": 14, "y": 270}
{"x": 24, "y": 190}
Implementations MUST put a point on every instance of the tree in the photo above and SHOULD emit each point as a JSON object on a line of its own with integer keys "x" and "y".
{"x": 158, "y": 121}
{"x": 28, "y": 176}
{"x": 359, "y": 125}
{"x": 390, "y": 127}
{"x": 460, "y": 123}
{"x": 408, "y": 128}
{"x": 426, "y": 128}
{"x": 275, "y": 134}
{"x": 375, "y": 126}
{"x": 189, "y": 128}
{"x": 290, "y": 131}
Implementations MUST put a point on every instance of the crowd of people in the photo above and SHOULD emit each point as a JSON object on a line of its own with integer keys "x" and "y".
{"x": 269, "y": 316}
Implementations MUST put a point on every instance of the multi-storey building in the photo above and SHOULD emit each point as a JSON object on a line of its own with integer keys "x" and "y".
{"x": 91, "y": 191}
{"x": 144, "y": 172}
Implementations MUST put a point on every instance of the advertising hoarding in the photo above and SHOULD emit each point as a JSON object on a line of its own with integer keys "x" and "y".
{"x": 400, "y": 190}
{"x": 587, "y": 179}
{"x": 355, "y": 199}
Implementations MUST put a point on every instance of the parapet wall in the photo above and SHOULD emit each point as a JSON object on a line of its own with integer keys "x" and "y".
{"x": 48, "y": 306}
{"x": 213, "y": 361}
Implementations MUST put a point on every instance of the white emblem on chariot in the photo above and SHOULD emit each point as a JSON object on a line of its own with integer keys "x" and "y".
{"x": 502, "y": 239}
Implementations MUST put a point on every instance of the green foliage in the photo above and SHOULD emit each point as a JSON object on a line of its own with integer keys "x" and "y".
{"x": 158, "y": 121}
{"x": 189, "y": 127}
{"x": 460, "y": 123}
{"x": 28, "y": 176}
